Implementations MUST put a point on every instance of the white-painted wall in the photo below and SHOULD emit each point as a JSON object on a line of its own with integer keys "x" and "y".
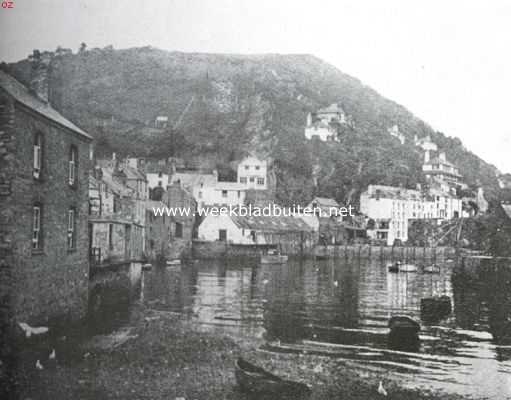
{"x": 210, "y": 227}
{"x": 155, "y": 180}
{"x": 251, "y": 172}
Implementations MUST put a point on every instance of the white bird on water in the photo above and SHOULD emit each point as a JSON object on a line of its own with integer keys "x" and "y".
{"x": 38, "y": 365}
{"x": 336, "y": 283}
{"x": 52, "y": 355}
{"x": 381, "y": 389}
{"x": 265, "y": 282}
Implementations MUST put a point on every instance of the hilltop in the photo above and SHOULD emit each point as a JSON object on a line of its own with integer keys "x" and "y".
{"x": 221, "y": 106}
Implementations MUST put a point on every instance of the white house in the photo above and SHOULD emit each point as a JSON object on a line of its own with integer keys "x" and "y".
{"x": 221, "y": 194}
{"x": 394, "y": 131}
{"x": 442, "y": 171}
{"x": 391, "y": 208}
{"x": 325, "y": 122}
{"x": 250, "y": 229}
{"x": 155, "y": 179}
{"x": 252, "y": 173}
{"x": 426, "y": 143}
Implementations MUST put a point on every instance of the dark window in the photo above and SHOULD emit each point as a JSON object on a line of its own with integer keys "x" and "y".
{"x": 260, "y": 181}
{"x": 71, "y": 228}
{"x": 37, "y": 237}
{"x": 252, "y": 180}
{"x": 110, "y": 237}
{"x": 38, "y": 155}
{"x": 222, "y": 235}
{"x": 73, "y": 165}
{"x": 224, "y": 193}
{"x": 179, "y": 230}
{"x": 243, "y": 180}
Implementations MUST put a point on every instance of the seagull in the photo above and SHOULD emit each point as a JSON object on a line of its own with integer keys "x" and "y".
{"x": 38, "y": 365}
{"x": 52, "y": 355}
{"x": 336, "y": 283}
{"x": 265, "y": 281}
{"x": 381, "y": 389}
{"x": 29, "y": 330}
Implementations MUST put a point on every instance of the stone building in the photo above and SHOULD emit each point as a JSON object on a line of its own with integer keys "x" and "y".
{"x": 44, "y": 179}
{"x": 183, "y": 224}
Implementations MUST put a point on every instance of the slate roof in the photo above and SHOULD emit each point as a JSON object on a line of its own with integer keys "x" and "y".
{"x": 193, "y": 179}
{"x": 28, "y": 99}
{"x": 273, "y": 224}
{"x": 325, "y": 202}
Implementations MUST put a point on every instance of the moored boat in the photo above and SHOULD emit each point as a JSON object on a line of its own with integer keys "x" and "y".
{"x": 431, "y": 269}
{"x": 404, "y": 333}
{"x": 176, "y": 261}
{"x": 407, "y": 268}
{"x": 147, "y": 267}
{"x": 273, "y": 257}
{"x": 254, "y": 379}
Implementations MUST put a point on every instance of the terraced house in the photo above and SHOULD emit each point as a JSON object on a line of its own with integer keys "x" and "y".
{"x": 44, "y": 164}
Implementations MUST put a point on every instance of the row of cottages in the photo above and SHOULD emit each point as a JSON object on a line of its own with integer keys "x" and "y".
{"x": 208, "y": 190}
{"x": 391, "y": 208}
{"x": 117, "y": 223}
{"x": 44, "y": 180}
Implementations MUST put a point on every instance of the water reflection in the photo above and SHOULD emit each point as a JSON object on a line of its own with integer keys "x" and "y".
{"x": 347, "y": 304}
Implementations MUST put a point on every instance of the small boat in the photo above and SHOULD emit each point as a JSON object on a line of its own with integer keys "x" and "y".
{"x": 431, "y": 269}
{"x": 176, "y": 261}
{"x": 273, "y": 257}
{"x": 407, "y": 268}
{"x": 147, "y": 267}
{"x": 434, "y": 309}
{"x": 393, "y": 267}
{"x": 404, "y": 333}
{"x": 254, "y": 379}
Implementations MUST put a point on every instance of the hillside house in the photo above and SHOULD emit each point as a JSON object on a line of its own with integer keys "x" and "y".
{"x": 161, "y": 122}
{"x": 425, "y": 143}
{"x": 440, "y": 170}
{"x": 324, "y": 123}
{"x": 252, "y": 173}
{"x": 44, "y": 183}
{"x": 395, "y": 132}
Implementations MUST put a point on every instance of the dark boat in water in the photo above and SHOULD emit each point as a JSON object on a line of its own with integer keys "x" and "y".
{"x": 256, "y": 380}
{"x": 404, "y": 333}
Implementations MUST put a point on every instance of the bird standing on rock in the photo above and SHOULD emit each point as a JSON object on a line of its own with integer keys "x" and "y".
{"x": 381, "y": 389}
{"x": 38, "y": 365}
{"x": 52, "y": 355}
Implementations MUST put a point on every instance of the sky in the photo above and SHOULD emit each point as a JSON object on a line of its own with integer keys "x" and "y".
{"x": 449, "y": 62}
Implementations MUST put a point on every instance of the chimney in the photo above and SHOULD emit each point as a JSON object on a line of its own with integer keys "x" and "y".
{"x": 39, "y": 78}
{"x": 426, "y": 156}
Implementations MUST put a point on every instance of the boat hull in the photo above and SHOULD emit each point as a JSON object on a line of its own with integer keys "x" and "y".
{"x": 273, "y": 259}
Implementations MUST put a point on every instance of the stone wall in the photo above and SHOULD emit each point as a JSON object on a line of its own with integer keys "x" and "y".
{"x": 52, "y": 282}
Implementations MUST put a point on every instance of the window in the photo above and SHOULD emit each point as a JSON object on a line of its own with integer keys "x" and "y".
{"x": 36, "y": 228}
{"x": 222, "y": 235}
{"x": 73, "y": 161}
{"x": 110, "y": 237}
{"x": 179, "y": 230}
{"x": 224, "y": 193}
{"x": 160, "y": 183}
{"x": 200, "y": 195}
{"x": 257, "y": 167}
{"x": 243, "y": 180}
{"x": 38, "y": 155}
{"x": 71, "y": 229}
{"x": 252, "y": 180}
{"x": 260, "y": 181}
{"x": 246, "y": 167}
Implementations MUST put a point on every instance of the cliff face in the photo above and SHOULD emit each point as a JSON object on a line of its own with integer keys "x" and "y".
{"x": 220, "y": 106}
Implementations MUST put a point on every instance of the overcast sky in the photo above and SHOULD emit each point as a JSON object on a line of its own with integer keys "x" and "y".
{"x": 449, "y": 62}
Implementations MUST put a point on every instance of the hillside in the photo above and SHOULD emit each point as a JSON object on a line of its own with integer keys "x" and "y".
{"x": 223, "y": 105}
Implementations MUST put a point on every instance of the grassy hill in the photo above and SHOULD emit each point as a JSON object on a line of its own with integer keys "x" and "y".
{"x": 222, "y": 105}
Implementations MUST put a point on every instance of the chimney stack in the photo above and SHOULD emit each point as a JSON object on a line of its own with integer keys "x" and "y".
{"x": 39, "y": 79}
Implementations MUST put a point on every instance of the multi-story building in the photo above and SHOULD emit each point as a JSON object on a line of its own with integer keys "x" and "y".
{"x": 391, "y": 208}
{"x": 44, "y": 183}
{"x": 252, "y": 173}
{"x": 325, "y": 123}
{"x": 440, "y": 170}
{"x": 394, "y": 131}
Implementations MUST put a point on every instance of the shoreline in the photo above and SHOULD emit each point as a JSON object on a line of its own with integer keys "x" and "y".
{"x": 161, "y": 356}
